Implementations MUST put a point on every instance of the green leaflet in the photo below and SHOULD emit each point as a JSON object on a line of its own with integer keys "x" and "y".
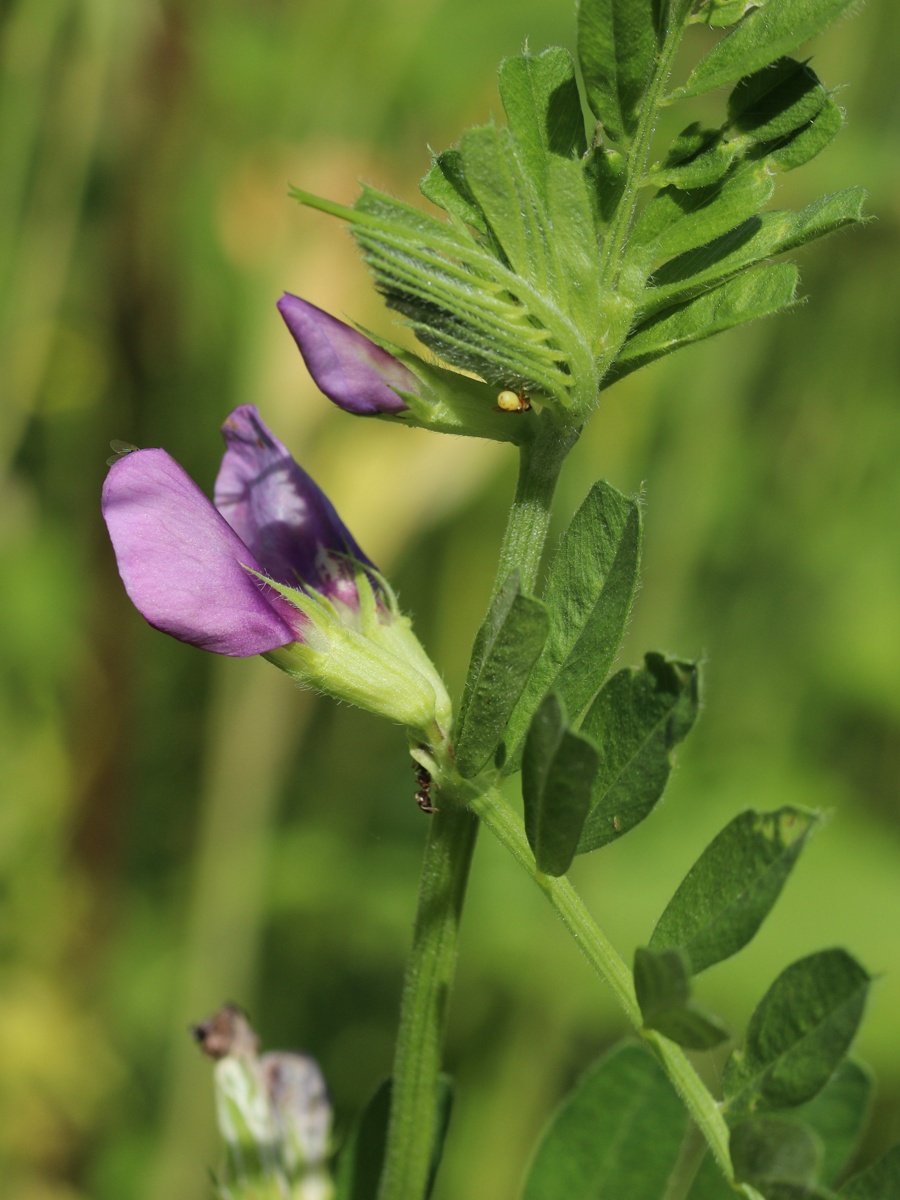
{"x": 662, "y": 985}
{"x": 809, "y": 141}
{"x": 766, "y": 1150}
{"x": 509, "y": 200}
{"x": 757, "y": 239}
{"x": 543, "y": 109}
{"x": 617, "y": 51}
{"x": 362, "y": 1155}
{"x": 676, "y": 220}
{"x": 558, "y": 769}
{"x": 444, "y": 184}
{"x": 546, "y": 236}
{"x": 505, "y": 650}
{"x": 636, "y": 721}
{"x": 729, "y": 891}
{"x": 766, "y": 111}
{"x": 570, "y": 220}
{"x": 758, "y": 293}
{"x": 763, "y": 35}
{"x": 880, "y": 1181}
{"x": 699, "y": 167}
{"x": 617, "y": 1134}
{"x": 529, "y": 181}
{"x": 837, "y": 1114}
{"x": 589, "y": 593}
{"x": 798, "y": 1034}
{"x": 718, "y": 13}
{"x": 773, "y": 102}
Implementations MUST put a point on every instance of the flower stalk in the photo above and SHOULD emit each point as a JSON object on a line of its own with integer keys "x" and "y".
{"x": 431, "y": 964}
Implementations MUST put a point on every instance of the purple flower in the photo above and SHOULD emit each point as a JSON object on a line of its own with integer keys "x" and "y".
{"x": 269, "y": 569}
{"x": 350, "y": 369}
{"x": 198, "y": 571}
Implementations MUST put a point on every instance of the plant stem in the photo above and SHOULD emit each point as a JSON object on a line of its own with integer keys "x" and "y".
{"x": 603, "y": 957}
{"x": 413, "y": 1125}
{"x": 423, "y": 1011}
{"x": 526, "y": 530}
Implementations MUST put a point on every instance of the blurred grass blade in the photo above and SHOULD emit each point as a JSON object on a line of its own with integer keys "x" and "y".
{"x": 618, "y": 1134}
{"x": 798, "y": 1034}
{"x": 636, "y": 721}
{"x": 362, "y": 1155}
{"x": 729, "y": 891}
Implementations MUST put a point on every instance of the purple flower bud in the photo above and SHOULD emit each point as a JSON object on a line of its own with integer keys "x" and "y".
{"x": 350, "y": 369}
{"x": 195, "y": 572}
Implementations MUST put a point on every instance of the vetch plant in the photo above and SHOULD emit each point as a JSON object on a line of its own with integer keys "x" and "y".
{"x": 572, "y": 247}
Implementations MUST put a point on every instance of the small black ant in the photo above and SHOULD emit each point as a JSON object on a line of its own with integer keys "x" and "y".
{"x": 423, "y": 794}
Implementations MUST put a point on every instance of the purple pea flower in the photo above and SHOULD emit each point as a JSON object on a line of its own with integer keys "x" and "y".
{"x": 347, "y": 366}
{"x": 269, "y": 568}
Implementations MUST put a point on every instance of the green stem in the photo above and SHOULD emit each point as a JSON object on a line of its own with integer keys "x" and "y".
{"x": 423, "y": 1010}
{"x": 605, "y": 960}
{"x": 413, "y": 1125}
{"x": 526, "y": 531}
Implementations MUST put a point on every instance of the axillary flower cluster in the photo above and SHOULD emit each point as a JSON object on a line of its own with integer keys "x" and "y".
{"x": 268, "y": 567}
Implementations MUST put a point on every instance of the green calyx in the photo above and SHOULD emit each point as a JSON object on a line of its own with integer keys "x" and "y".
{"x": 368, "y": 656}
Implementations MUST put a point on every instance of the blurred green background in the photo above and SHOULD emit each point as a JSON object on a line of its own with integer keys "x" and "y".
{"x": 177, "y": 830}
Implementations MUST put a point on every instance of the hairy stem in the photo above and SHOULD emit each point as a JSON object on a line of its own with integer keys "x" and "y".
{"x": 448, "y": 855}
{"x": 423, "y": 1012}
{"x": 605, "y": 960}
{"x": 526, "y": 530}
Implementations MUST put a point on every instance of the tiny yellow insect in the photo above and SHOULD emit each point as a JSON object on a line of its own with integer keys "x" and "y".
{"x": 509, "y": 401}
